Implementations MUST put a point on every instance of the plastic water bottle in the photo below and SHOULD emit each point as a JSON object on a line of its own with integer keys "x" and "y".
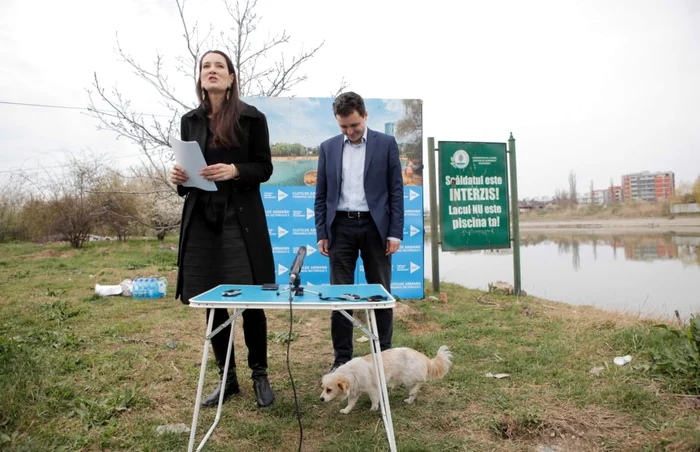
{"x": 151, "y": 288}
{"x": 156, "y": 293}
{"x": 142, "y": 288}
{"x": 136, "y": 291}
{"x": 162, "y": 286}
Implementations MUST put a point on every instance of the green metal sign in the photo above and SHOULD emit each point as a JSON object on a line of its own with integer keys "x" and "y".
{"x": 473, "y": 196}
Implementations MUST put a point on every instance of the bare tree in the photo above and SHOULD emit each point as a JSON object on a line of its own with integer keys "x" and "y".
{"x": 271, "y": 80}
{"x": 138, "y": 202}
{"x": 151, "y": 133}
{"x": 572, "y": 188}
{"x": 255, "y": 78}
{"x": 561, "y": 197}
{"x": 12, "y": 199}
{"x": 75, "y": 210}
{"x": 36, "y": 219}
{"x": 122, "y": 208}
{"x": 683, "y": 194}
{"x": 343, "y": 86}
{"x": 160, "y": 214}
{"x": 63, "y": 203}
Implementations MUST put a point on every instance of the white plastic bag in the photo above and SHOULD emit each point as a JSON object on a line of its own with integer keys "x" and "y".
{"x": 126, "y": 287}
{"x": 108, "y": 290}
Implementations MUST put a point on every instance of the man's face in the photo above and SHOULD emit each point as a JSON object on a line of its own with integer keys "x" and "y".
{"x": 352, "y": 126}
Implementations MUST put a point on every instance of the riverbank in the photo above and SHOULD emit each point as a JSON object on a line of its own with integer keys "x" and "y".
{"x": 82, "y": 372}
{"x": 688, "y": 225}
{"x": 296, "y": 158}
{"x": 647, "y": 225}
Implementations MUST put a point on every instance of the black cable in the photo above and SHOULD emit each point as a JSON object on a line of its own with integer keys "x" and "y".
{"x": 69, "y": 107}
{"x": 289, "y": 369}
{"x": 64, "y": 165}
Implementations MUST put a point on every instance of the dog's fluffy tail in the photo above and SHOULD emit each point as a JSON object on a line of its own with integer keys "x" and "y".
{"x": 438, "y": 366}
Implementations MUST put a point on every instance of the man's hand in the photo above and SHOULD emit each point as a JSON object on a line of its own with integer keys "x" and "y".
{"x": 323, "y": 246}
{"x": 392, "y": 246}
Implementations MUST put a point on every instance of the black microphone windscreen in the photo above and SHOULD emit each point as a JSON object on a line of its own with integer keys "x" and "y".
{"x": 297, "y": 264}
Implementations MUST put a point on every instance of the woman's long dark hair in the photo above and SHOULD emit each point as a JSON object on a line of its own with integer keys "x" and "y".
{"x": 224, "y": 123}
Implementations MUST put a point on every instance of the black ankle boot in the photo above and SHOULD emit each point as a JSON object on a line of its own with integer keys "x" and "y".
{"x": 231, "y": 389}
{"x": 255, "y": 334}
{"x": 263, "y": 391}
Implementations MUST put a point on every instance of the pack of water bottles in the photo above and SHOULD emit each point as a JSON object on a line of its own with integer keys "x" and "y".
{"x": 149, "y": 287}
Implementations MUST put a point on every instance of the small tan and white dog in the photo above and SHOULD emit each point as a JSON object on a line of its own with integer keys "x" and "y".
{"x": 401, "y": 366}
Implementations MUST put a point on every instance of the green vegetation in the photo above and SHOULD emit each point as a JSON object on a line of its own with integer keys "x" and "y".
{"x": 677, "y": 355}
{"x": 81, "y": 372}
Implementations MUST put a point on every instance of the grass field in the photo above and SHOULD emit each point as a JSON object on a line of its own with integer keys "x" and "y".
{"x": 80, "y": 372}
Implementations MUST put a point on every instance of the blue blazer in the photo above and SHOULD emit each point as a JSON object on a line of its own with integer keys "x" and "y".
{"x": 382, "y": 179}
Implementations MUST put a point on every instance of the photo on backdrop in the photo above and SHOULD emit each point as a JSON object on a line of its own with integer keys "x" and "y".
{"x": 297, "y": 128}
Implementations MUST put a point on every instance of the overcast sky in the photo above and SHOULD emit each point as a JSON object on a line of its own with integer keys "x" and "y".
{"x": 600, "y": 87}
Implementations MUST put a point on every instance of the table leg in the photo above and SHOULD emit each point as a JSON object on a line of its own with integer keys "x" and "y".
{"x": 236, "y": 313}
{"x": 381, "y": 379}
{"x": 232, "y": 321}
{"x": 200, "y": 385}
{"x": 233, "y": 318}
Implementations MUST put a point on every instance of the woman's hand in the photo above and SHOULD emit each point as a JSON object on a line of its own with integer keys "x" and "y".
{"x": 219, "y": 172}
{"x": 178, "y": 176}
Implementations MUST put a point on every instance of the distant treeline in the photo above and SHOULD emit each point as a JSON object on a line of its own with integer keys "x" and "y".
{"x": 292, "y": 150}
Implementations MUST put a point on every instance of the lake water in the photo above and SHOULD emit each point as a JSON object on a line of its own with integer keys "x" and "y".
{"x": 291, "y": 172}
{"x": 652, "y": 275}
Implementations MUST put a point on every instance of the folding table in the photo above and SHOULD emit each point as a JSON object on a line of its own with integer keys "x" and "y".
{"x": 325, "y": 297}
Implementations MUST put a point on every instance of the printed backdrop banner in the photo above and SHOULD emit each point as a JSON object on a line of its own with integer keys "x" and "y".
{"x": 297, "y": 128}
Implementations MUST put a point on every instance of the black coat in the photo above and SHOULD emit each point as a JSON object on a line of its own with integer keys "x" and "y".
{"x": 254, "y": 162}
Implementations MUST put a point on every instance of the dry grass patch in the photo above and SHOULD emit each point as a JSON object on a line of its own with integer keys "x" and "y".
{"x": 49, "y": 253}
{"x": 414, "y": 320}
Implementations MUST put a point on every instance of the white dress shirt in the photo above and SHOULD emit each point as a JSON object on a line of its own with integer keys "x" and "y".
{"x": 352, "y": 184}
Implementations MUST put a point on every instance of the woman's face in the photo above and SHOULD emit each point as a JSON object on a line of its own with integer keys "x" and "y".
{"x": 214, "y": 75}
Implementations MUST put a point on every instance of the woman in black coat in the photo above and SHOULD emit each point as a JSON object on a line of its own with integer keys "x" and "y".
{"x": 223, "y": 235}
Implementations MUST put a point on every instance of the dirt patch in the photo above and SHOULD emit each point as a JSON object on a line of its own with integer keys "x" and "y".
{"x": 590, "y": 317}
{"x": 567, "y": 428}
{"x": 414, "y": 320}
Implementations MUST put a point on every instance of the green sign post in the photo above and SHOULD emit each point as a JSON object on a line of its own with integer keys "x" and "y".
{"x": 473, "y": 196}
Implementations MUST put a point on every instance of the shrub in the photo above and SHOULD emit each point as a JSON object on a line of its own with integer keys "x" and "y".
{"x": 678, "y": 355}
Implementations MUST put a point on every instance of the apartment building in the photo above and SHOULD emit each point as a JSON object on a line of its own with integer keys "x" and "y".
{"x": 648, "y": 186}
{"x": 603, "y": 196}
{"x": 615, "y": 193}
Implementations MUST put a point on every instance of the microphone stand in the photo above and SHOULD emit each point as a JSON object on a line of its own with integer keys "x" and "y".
{"x": 295, "y": 289}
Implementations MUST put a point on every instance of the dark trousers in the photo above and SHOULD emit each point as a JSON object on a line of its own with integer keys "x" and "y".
{"x": 215, "y": 253}
{"x": 353, "y": 237}
{"x": 254, "y": 333}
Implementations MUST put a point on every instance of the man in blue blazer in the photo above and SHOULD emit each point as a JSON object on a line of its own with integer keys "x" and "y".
{"x": 359, "y": 210}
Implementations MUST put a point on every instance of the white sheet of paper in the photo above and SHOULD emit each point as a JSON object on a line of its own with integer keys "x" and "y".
{"x": 189, "y": 156}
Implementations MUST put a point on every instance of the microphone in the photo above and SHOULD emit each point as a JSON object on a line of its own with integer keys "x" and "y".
{"x": 297, "y": 264}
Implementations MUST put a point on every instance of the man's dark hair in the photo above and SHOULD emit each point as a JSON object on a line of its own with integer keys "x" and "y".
{"x": 346, "y": 103}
